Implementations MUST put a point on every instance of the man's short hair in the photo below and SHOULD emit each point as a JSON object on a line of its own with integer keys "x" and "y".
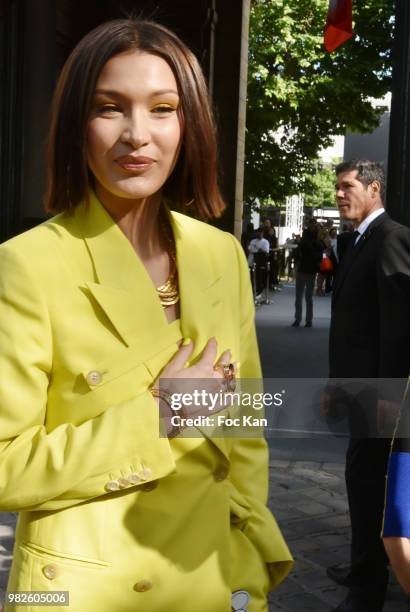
{"x": 367, "y": 172}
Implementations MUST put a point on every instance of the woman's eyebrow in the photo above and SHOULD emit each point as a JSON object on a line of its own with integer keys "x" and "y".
{"x": 113, "y": 93}
{"x": 161, "y": 92}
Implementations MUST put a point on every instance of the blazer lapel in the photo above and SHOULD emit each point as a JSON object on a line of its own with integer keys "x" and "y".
{"x": 354, "y": 252}
{"x": 346, "y": 264}
{"x": 200, "y": 294}
{"x": 123, "y": 288}
{"x": 199, "y": 285}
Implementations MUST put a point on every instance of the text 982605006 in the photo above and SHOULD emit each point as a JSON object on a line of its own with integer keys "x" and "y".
{"x": 39, "y": 598}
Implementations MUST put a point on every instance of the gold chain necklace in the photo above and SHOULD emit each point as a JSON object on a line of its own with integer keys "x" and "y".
{"x": 168, "y": 293}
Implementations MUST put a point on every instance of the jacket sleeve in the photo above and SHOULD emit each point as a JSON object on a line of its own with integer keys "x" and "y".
{"x": 50, "y": 470}
{"x": 249, "y": 473}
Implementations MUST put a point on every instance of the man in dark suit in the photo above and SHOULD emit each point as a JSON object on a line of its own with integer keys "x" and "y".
{"x": 369, "y": 338}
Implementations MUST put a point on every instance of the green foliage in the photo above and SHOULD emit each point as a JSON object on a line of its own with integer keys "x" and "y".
{"x": 299, "y": 96}
{"x": 319, "y": 185}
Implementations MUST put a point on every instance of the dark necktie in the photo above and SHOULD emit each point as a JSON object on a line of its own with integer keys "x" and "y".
{"x": 356, "y": 234}
{"x": 352, "y": 246}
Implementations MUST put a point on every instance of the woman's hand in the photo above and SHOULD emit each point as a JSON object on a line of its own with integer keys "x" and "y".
{"x": 203, "y": 368}
{"x": 175, "y": 378}
{"x": 398, "y": 551}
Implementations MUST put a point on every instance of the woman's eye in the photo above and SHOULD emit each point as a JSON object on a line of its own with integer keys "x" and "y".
{"x": 163, "y": 109}
{"x": 108, "y": 109}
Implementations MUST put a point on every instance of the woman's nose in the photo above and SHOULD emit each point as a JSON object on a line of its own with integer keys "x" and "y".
{"x": 135, "y": 131}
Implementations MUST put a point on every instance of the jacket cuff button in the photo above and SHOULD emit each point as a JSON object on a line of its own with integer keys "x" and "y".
{"x": 145, "y": 473}
{"x": 134, "y": 479}
{"x": 123, "y": 483}
{"x": 113, "y": 485}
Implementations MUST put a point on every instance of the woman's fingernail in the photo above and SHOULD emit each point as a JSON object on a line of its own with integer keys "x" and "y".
{"x": 186, "y": 341}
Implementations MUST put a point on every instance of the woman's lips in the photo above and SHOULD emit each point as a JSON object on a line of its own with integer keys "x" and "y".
{"x": 134, "y": 164}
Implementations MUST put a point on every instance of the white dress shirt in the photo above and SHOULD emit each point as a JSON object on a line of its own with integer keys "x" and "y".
{"x": 366, "y": 222}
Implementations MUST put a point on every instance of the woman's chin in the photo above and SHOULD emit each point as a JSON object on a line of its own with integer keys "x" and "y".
{"x": 130, "y": 189}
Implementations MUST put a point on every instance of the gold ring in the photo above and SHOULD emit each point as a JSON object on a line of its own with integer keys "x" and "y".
{"x": 228, "y": 372}
{"x": 226, "y": 369}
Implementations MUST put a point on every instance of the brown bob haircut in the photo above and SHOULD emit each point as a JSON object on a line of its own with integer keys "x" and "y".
{"x": 194, "y": 178}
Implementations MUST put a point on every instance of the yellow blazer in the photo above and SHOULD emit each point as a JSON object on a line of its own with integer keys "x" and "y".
{"x": 124, "y": 519}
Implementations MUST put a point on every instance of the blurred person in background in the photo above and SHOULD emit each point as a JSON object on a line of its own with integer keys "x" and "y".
{"x": 307, "y": 261}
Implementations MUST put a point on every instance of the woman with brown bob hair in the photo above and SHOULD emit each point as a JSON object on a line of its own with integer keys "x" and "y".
{"x": 195, "y": 177}
{"x": 126, "y": 500}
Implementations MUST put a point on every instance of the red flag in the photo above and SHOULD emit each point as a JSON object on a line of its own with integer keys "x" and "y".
{"x": 338, "y": 28}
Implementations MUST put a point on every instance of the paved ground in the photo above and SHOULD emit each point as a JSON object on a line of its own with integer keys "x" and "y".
{"x": 309, "y": 502}
{"x": 293, "y": 351}
{"x": 307, "y": 493}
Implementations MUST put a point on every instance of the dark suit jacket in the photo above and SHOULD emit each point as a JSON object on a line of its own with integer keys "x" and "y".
{"x": 343, "y": 241}
{"x": 370, "y": 325}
